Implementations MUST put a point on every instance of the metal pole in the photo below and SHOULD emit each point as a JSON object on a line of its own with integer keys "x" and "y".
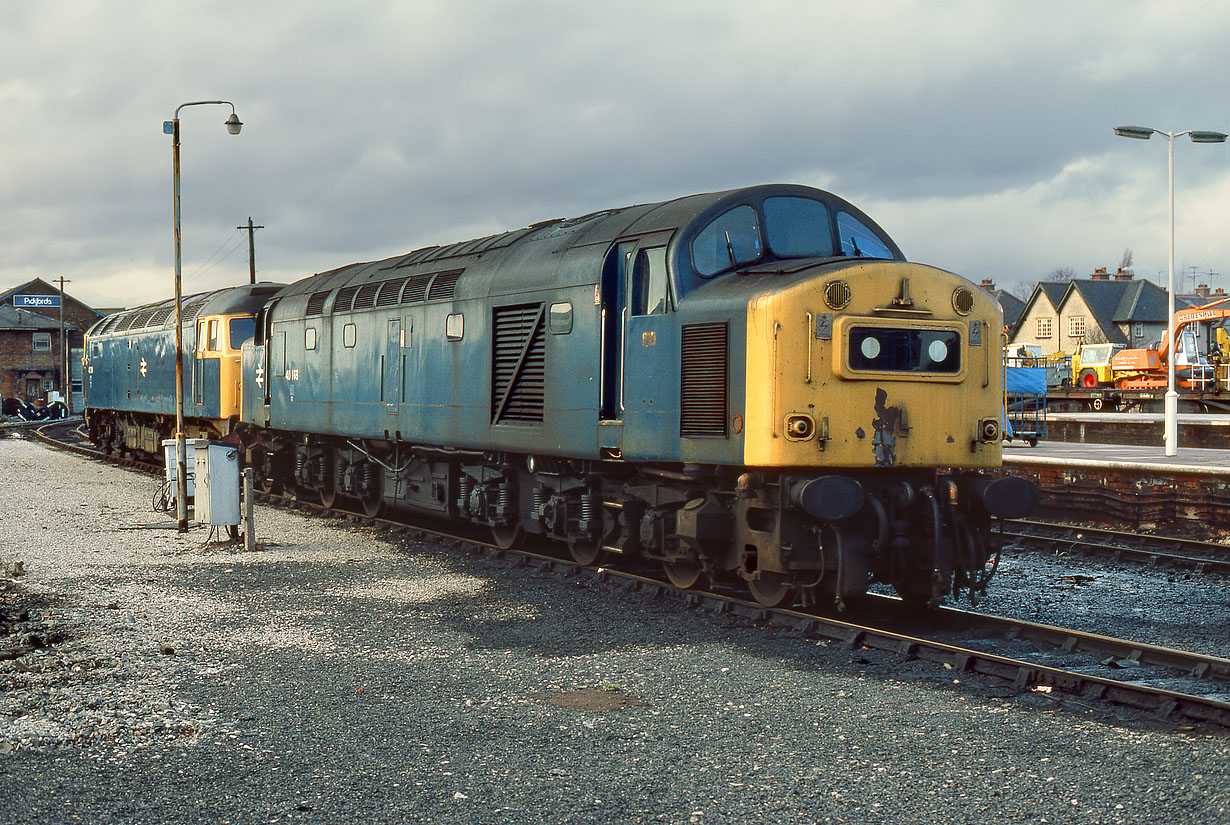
{"x": 181, "y": 458}
{"x": 1171, "y": 437}
{"x": 68, "y": 393}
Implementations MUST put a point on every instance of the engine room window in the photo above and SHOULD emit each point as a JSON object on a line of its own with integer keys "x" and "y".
{"x": 240, "y": 330}
{"x": 454, "y": 326}
{"x": 797, "y": 228}
{"x": 559, "y": 318}
{"x": 350, "y": 334}
{"x": 731, "y": 240}
{"x": 309, "y": 338}
{"x": 211, "y": 342}
{"x": 42, "y": 342}
{"x": 857, "y": 240}
{"x": 892, "y": 349}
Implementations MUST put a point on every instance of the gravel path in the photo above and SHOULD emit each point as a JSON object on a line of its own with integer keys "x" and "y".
{"x": 338, "y": 676}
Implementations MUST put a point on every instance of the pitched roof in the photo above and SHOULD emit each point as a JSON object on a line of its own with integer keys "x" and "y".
{"x": 12, "y": 317}
{"x": 1054, "y": 290}
{"x": 1011, "y": 305}
{"x": 40, "y": 287}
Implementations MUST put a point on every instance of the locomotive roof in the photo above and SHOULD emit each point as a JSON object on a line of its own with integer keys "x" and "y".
{"x": 228, "y": 301}
{"x": 561, "y": 252}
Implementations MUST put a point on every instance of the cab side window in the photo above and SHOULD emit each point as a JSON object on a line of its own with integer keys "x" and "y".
{"x": 649, "y": 288}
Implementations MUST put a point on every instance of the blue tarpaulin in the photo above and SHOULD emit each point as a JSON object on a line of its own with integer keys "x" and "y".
{"x": 1030, "y": 380}
{"x": 1025, "y": 403}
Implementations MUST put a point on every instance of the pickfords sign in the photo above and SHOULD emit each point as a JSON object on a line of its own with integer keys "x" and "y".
{"x": 37, "y": 301}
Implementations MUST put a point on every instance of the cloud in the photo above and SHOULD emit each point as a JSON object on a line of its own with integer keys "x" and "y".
{"x": 975, "y": 132}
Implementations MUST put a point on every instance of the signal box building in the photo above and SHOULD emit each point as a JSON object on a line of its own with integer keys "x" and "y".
{"x": 31, "y": 352}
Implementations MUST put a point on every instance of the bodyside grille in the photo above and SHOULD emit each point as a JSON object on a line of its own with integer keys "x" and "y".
{"x": 702, "y": 383}
{"x": 518, "y": 364}
{"x": 317, "y": 303}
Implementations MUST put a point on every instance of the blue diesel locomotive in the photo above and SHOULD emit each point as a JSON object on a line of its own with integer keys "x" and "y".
{"x": 745, "y": 386}
{"x": 129, "y": 363}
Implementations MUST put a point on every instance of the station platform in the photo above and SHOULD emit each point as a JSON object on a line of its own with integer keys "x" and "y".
{"x": 1123, "y": 458}
{"x": 1144, "y": 429}
{"x": 1137, "y": 487}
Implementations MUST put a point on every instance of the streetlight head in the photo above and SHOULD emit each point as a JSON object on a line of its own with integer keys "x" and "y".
{"x": 233, "y": 125}
{"x": 1208, "y": 137}
{"x": 1138, "y": 132}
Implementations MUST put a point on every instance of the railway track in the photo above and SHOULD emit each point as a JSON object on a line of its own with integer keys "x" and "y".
{"x": 1149, "y": 550}
{"x": 1179, "y": 686}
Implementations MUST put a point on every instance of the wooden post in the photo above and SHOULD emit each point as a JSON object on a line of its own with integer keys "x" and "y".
{"x": 249, "y": 525}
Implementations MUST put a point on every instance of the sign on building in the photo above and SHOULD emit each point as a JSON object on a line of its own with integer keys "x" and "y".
{"x": 37, "y": 301}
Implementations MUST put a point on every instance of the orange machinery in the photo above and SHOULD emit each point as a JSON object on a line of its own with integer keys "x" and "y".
{"x": 1146, "y": 368}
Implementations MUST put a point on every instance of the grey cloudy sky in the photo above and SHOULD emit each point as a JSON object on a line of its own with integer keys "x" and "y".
{"x": 978, "y": 133}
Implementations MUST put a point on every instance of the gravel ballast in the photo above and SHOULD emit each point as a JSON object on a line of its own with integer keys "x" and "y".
{"x": 343, "y": 676}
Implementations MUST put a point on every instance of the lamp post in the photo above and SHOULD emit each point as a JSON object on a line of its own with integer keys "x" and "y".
{"x": 1171, "y": 437}
{"x": 171, "y": 127}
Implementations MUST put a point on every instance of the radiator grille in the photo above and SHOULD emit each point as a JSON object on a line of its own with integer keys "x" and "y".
{"x": 702, "y": 385}
{"x": 390, "y": 292}
{"x": 366, "y": 296}
{"x": 416, "y": 289}
{"x": 345, "y": 298}
{"x": 316, "y": 303}
{"x": 518, "y": 364}
{"x": 444, "y": 285}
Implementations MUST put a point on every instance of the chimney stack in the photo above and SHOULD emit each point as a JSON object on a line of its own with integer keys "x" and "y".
{"x": 1123, "y": 275}
{"x": 1099, "y": 274}
{"x": 988, "y": 284}
{"x": 1202, "y": 290}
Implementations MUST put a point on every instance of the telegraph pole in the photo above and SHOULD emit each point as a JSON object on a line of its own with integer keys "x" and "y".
{"x": 251, "y": 249}
{"x": 66, "y": 377}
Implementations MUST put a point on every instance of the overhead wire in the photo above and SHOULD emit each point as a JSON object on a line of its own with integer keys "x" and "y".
{"x": 235, "y": 240}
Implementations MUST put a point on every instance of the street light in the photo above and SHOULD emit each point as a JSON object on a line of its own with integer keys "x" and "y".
{"x": 1171, "y": 437}
{"x": 171, "y": 127}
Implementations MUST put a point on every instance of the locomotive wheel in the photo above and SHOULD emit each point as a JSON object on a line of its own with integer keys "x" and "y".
{"x": 265, "y": 484}
{"x": 328, "y": 496}
{"x": 772, "y": 589}
{"x": 373, "y": 505}
{"x": 508, "y": 536}
{"x": 684, "y": 573}
{"x": 586, "y": 551}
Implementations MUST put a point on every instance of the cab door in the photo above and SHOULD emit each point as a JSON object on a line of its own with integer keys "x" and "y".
{"x": 650, "y": 393}
{"x": 390, "y": 373}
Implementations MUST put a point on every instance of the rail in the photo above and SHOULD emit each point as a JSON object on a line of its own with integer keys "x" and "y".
{"x": 1140, "y": 548}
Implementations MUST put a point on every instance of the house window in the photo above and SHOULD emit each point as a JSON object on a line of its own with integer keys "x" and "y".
{"x": 1076, "y": 326}
{"x": 1138, "y": 330}
{"x": 1044, "y": 327}
{"x": 42, "y": 342}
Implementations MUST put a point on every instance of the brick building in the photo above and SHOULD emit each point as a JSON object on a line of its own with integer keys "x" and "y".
{"x": 31, "y": 352}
